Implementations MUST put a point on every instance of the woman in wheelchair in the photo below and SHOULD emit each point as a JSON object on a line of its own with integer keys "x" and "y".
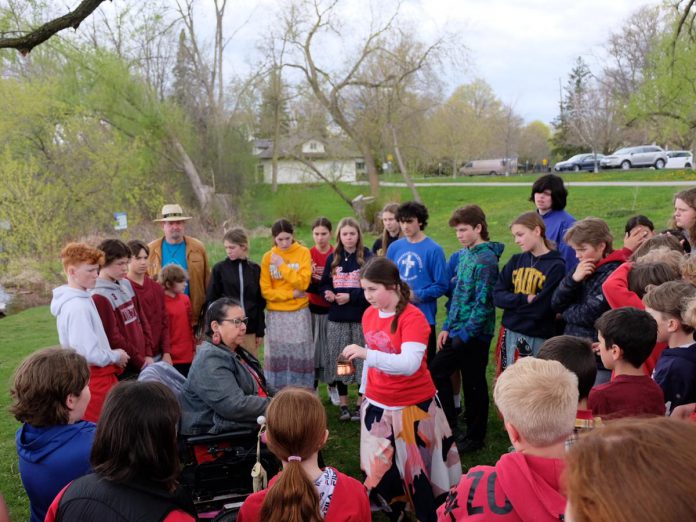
{"x": 225, "y": 389}
{"x": 296, "y": 431}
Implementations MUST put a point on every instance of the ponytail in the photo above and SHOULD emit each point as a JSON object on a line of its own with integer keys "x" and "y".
{"x": 404, "y": 292}
{"x": 296, "y": 429}
{"x": 293, "y": 498}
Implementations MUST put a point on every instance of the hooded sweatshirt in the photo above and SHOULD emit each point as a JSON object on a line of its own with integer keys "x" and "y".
{"x": 80, "y": 327}
{"x": 581, "y": 304}
{"x": 557, "y": 223}
{"x": 50, "y": 458}
{"x": 123, "y": 319}
{"x": 471, "y": 313}
{"x": 527, "y": 275}
{"x": 278, "y": 283}
{"x": 675, "y": 372}
{"x": 519, "y": 488}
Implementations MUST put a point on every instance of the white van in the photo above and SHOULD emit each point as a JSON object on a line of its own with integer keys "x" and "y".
{"x": 491, "y": 167}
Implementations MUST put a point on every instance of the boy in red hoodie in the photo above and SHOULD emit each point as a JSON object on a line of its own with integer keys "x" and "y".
{"x": 538, "y": 401}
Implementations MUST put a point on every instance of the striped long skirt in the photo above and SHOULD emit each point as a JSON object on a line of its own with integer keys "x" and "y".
{"x": 289, "y": 349}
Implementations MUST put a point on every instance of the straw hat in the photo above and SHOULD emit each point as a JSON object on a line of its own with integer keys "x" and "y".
{"x": 172, "y": 213}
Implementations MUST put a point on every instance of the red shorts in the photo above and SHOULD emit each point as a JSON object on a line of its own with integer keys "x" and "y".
{"x": 101, "y": 380}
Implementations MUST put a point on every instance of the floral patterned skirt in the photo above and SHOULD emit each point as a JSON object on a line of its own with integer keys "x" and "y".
{"x": 409, "y": 457}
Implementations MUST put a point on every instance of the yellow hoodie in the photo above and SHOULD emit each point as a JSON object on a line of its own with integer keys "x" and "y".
{"x": 277, "y": 284}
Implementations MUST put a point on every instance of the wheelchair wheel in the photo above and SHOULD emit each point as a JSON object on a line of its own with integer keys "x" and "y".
{"x": 228, "y": 515}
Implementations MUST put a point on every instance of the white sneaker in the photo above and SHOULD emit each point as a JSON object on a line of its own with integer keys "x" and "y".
{"x": 333, "y": 395}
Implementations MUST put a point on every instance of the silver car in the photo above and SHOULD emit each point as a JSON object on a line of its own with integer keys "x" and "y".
{"x": 642, "y": 156}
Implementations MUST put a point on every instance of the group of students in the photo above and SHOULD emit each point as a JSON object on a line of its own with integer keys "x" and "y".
{"x": 619, "y": 310}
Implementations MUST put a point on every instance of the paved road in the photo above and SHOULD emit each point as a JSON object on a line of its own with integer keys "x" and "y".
{"x": 691, "y": 183}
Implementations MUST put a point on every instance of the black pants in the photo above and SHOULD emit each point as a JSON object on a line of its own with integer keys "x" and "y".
{"x": 471, "y": 358}
{"x": 432, "y": 345}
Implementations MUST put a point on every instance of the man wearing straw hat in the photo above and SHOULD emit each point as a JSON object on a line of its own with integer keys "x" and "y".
{"x": 185, "y": 251}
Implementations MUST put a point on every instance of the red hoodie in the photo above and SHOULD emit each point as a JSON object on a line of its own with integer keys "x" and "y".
{"x": 618, "y": 295}
{"x": 519, "y": 488}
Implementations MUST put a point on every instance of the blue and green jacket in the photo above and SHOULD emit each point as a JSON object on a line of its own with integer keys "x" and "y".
{"x": 472, "y": 312}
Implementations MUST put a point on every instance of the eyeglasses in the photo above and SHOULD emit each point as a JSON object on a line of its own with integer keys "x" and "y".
{"x": 236, "y": 321}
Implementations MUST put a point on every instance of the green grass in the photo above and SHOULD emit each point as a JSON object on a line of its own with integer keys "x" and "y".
{"x": 25, "y": 332}
{"x": 20, "y": 335}
{"x": 604, "y": 175}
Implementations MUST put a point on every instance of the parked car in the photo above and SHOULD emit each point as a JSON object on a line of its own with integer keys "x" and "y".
{"x": 679, "y": 159}
{"x": 578, "y": 162}
{"x": 642, "y": 156}
{"x": 492, "y": 167}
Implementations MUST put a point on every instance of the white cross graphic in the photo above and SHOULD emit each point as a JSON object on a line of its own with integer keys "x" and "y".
{"x": 408, "y": 264}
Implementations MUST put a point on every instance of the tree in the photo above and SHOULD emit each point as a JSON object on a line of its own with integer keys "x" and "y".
{"x": 666, "y": 99}
{"x": 26, "y": 41}
{"x": 592, "y": 114}
{"x": 563, "y": 141}
{"x": 534, "y": 143}
{"x": 308, "y": 23}
{"x": 472, "y": 124}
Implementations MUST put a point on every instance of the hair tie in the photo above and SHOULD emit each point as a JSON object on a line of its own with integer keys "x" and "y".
{"x": 294, "y": 458}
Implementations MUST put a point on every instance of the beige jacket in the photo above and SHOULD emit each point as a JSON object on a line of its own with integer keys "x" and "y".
{"x": 198, "y": 270}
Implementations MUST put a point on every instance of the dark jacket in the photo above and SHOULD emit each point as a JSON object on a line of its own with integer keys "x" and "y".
{"x": 527, "y": 275}
{"x": 377, "y": 245}
{"x": 346, "y": 280}
{"x": 225, "y": 283}
{"x": 92, "y": 498}
{"x": 220, "y": 394}
{"x": 581, "y": 304}
{"x": 675, "y": 372}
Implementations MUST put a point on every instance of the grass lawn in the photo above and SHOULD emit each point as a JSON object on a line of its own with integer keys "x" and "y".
{"x": 604, "y": 175}
{"x": 24, "y": 332}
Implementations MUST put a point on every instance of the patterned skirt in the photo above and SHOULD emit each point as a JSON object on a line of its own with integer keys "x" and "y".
{"x": 409, "y": 457}
{"x": 289, "y": 350}
{"x": 340, "y": 335}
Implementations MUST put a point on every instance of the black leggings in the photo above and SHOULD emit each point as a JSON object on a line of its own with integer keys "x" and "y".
{"x": 471, "y": 358}
{"x": 341, "y": 387}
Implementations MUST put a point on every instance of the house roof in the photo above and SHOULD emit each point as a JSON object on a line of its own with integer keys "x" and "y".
{"x": 291, "y": 146}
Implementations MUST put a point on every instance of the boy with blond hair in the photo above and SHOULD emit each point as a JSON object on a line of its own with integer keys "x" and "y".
{"x": 538, "y": 401}
{"x": 80, "y": 326}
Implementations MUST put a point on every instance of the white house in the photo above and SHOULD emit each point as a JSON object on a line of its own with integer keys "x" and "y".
{"x": 331, "y": 158}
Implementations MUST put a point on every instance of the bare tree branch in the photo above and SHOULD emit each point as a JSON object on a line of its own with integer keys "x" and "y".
{"x": 25, "y": 43}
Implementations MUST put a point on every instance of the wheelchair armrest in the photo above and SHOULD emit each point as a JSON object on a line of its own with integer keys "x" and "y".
{"x": 221, "y": 437}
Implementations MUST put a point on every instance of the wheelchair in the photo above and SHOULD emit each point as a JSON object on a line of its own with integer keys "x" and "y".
{"x": 217, "y": 471}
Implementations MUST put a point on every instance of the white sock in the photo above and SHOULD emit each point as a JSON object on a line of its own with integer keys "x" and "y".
{"x": 457, "y": 401}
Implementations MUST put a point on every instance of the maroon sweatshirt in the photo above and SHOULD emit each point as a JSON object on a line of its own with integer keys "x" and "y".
{"x": 151, "y": 298}
{"x": 123, "y": 320}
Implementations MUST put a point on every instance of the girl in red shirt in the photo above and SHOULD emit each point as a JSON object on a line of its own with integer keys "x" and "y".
{"x": 303, "y": 491}
{"x": 406, "y": 446}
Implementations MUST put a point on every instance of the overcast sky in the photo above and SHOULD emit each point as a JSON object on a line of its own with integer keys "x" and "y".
{"x": 520, "y": 47}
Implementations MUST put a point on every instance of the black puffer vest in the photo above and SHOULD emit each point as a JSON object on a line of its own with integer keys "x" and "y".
{"x": 94, "y": 499}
